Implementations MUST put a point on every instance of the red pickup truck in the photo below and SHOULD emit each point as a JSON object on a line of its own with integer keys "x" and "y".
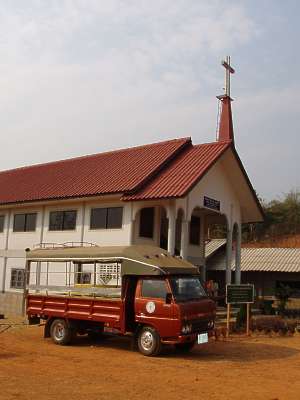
{"x": 140, "y": 291}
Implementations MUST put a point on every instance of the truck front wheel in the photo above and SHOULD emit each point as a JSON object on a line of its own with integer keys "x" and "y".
{"x": 61, "y": 332}
{"x": 149, "y": 342}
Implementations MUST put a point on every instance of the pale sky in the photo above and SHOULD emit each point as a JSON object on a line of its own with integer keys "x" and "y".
{"x": 85, "y": 76}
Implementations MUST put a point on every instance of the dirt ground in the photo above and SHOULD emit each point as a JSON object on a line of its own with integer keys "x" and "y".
{"x": 253, "y": 368}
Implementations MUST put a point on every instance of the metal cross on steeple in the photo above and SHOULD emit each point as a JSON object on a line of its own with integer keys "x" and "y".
{"x": 228, "y": 70}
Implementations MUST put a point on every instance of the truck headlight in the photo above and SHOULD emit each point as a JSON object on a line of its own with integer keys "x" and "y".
{"x": 187, "y": 328}
{"x": 210, "y": 325}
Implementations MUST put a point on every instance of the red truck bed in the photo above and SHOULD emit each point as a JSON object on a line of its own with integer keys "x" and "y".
{"x": 84, "y": 308}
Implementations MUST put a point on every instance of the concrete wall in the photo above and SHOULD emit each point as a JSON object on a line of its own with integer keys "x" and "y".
{"x": 11, "y": 303}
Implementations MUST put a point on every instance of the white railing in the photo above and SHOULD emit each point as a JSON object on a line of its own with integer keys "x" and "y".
{"x": 68, "y": 278}
{"x": 52, "y": 245}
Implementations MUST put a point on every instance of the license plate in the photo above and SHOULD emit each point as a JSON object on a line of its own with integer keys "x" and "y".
{"x": 202, "y": 338}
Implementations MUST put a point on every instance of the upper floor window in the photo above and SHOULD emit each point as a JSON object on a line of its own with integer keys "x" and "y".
{"x": 195, "y": 230}
{"x": 24, "y": 222}
{"x": 2, "y": 218}
{"x": 147, "y": 222}
{"x": 106, "y": 218}
{"x": 62, "y": 220}
{"x": 17, "y": 278}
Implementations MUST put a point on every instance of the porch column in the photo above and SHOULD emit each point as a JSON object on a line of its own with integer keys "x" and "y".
{"x": 184, "y": 239}
{"x": 202, "y": 245}
{"x": 131, "y": 231}
{"x": 171, "y": 229}
{"x": 238, "y": 256}
{"x": 132, "y": 223}
{"x": 228, "y": 255}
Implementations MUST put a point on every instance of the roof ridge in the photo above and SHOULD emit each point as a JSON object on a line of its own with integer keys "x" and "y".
{"x": 217, "y": 143}
{"x": 65, "y": 160}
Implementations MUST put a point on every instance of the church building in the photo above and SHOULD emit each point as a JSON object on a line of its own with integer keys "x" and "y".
{"x": 167, "y": 194}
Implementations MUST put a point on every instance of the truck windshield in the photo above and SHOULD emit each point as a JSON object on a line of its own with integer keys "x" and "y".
{"x": 187, "y": 288}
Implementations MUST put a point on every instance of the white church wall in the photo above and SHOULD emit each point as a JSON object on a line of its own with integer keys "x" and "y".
{"x": 5, "y": 213}
{"x": 2, "y": 277}
{"x": 22, "y": 240}
{"x": 216, "y": 185}
{"x": 72, "y": 235}
{"x": 108, "y": 237}
{"x": 13, "y": 263}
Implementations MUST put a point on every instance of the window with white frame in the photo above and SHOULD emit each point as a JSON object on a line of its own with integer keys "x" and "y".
{"x": 17, "y": 278}
{"x": 62, "y": 220}
{"x": 106, "y": 218}
{"x": 25, "y": 222}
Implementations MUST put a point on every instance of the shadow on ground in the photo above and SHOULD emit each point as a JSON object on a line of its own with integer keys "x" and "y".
{"x": 236, "y": 351}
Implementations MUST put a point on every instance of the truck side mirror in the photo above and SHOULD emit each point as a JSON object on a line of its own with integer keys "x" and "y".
{"x": 168, "y": 298}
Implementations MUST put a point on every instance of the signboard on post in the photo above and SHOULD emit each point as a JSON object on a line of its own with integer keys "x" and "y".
{"x": 239, "y": 294}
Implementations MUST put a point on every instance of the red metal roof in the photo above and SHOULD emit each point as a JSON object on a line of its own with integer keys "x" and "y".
{"x": 112, "y": 172}
{"x": 182, "y": 173}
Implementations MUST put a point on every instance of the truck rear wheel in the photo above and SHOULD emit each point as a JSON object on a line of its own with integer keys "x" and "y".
{"x": 61, "y": 332}
{"x": 149, "y": 342}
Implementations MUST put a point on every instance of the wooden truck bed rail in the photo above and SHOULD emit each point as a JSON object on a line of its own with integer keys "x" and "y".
{"x": 83, "y": 308}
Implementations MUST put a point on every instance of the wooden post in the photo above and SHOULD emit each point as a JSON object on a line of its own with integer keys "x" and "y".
{"x": 248, "y": 319}
{"x": 228, "y": 320}
{"x": 25, "y": 289}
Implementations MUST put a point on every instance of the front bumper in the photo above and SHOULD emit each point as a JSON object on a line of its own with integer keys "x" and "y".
{"x": 186, "y": 338}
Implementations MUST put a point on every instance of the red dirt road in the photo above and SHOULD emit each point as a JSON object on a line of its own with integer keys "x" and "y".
{"x": 240, "y": 368}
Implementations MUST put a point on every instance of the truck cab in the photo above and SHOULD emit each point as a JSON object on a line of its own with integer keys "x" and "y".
{"x": 176, "y": 308}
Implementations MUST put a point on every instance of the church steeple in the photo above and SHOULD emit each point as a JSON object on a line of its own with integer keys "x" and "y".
{"x": 225, "y": 125}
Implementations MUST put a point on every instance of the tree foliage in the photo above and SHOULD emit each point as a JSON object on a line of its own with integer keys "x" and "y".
{"x": 282, "y": 218}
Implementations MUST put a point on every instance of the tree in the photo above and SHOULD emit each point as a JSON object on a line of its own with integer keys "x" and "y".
{"x": 282, "y": 217}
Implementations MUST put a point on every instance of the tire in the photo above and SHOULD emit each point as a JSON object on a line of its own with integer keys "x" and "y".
{"x": 149, "y": 343}
{"x": 184, "y": 347}
{"x": 61, "y": 332}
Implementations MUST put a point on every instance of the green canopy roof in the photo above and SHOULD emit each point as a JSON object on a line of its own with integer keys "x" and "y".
{"x": 135, "y": 259}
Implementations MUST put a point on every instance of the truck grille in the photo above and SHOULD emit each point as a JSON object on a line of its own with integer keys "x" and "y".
{"x": 200, "y": 325}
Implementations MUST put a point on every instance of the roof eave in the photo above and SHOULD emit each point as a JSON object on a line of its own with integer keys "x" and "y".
{"x": 259, "y": 206}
